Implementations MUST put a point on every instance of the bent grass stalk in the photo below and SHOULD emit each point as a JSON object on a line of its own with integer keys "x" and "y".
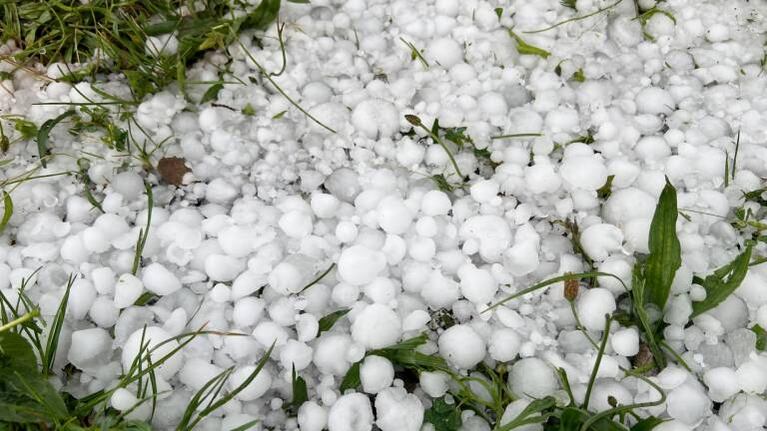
{"x": 266, "y": 75}
{"x": 576, "y": 18}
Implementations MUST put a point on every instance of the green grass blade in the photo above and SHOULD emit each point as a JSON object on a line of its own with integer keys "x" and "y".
{"x": 638, "y": 303}
{"x": 665, "y": 251}
{"x": 43, "y": 135}
{"x": 52, "y": 343}
{"x": 722, "y": 282}
{"x": 7, "y": 211}
{"x": 327, "y": 322}
{"x": 595, "y": 369}
{"x": 525, "y": 48}
{"x": 143, "y": 233}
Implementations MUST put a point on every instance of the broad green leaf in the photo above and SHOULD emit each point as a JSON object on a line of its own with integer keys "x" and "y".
{"x": 444, "y": 416}
{"x": 722, "y": 282}
{"x": 16, "y": 349}
{"x": 26, "y": 397}
{"x": 7, "y": 211}
{"x": 43, "y": 135}
{"x": 352, "y": 378}
{"x": 665, "y": 252}
{"x": 327, "y": 322}
{"x": 263, "y": 16}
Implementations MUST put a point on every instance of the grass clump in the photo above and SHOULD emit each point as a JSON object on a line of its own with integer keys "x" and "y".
{"x": 151, "y": 43}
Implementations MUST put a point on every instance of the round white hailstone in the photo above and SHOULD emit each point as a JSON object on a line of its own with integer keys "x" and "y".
{"x": 636, "y": 234}
{"x": 360, "y": 265}
{"x": 722, "y": 383}
{"x": 504, "y": 344}
{"x": 381, "y": 290}
{"x": 604, "y": 390}
{"x": 752, "y": 288}
{"x": 585, "y": 172}
{"x": 493, "y": 104}
{"x": 654, "y": 100}
{"x": 718, "y": 33}
{"x": 307, "y": 327}
{"x": 103, "y": 312}
{"x": 445, "y": 51}
{"x": 286, "y": 278}
{"x": 159, "y": 280}
{"x": 492, "y": 232}
{"x": 532, "y": 377}
{"x": 732, "y": 313}
{"x": 447, "y": 7}
{"x": 687, "y": 404}
{"x": 344, "y": 184}
{"x": 652, "y": 149}
{"x": 477, "y": 285}
{"x": 296, "y": 224}
{"x": 87, "y": 345}
{"x": 462, "y": 346}
{"x": 247, "y": 283}
{"x": 618, "y": 266}
{"x": 435, "y": 203}
{"x": 601, "y": 239}
{"x": 81, "y": 298}
{"x": 351, "y": 412}
{"x": 127, "y": 290}
{"x": 220, "y": 192}
{"x": 256, "y": 388}
{"x": 761, "y": 316}
{"x": 234, "y": 421}
{"x": 513, "y": 411}
{"x": 416, "y": 321}
{"x": 376, "y": 326}
{"x": 625, "y": 342}
{"x": 123, "y": 399}
{"x": 330, "y": 354}
{"x": 103, "y": 280}
{"x": 324, "y": 205}
{"x": 95, "y": 240}
{"x": 485, "y": 191}
{"x": 593, "y": 304}
{"x": 129, "y": 184}
{"x": 522, "y": 258}
{"x": 628, "y": 204}
{"x": 394, "y": 216}
{"x": 247, "y": 311}
{"x": 236, "y": 241}
{"x": 376, "y": 374}
{"x": 196, "y": 372}
{"x": 541, "y": 178}
{"x": 295, "y": 354}
{"x": 346, "y": 231}
{"x": 268, "y": 333}
{"x": 376, "y": 118}
{"x": 152, "y": 337}
{"x": 752, "y": 377}
{"x": 220, "y": 267}
{"x": 312, "y": 417}
{"x": 396, "y": 410}
{"x": 440, "y": 291}
{"x": 435, "y": 384}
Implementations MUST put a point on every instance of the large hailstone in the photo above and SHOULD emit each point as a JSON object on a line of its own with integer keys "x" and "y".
{"x": 492, "y": 233}
{"x": 396, "y": 410}
{"x": 376, "y": 326}
{"x": 532, "y": 377}
{"x": 152, "y": 337}
{"x": 461, "y": 346}
{"x": 351, "y": 412}
{"x": 360, "y": 265}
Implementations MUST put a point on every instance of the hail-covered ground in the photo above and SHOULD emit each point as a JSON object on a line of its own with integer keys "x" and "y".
{"x": 273, "y": 198}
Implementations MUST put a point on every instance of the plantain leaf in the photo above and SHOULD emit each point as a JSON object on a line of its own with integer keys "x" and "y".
{"x": 665, "y": 252}
{"x": 722, "y": 282}
{"x": 352, "y": 378}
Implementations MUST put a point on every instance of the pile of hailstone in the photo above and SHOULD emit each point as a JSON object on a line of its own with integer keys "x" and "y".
{"x": 274, "y": 199}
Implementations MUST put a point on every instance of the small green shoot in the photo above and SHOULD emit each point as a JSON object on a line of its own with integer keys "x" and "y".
{"x": 52, "y": 343}
{"x": 525, "y": 48}
{"x": 416, "y": 122}
{"x": 606, "y": 190}
{"x": 415, "y": 53}
{"x": 300, "y": 393}
{"x": 761, "y": 338}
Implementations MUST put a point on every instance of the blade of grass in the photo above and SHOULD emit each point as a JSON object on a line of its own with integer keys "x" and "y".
{"x": 7, "y": 211}
{"x": 319, "y": 278}
{"x": 52, "y": 343}
{"x": 43, "y": 135}
{"x": 143, "y": 233}
{"x": 597, "y": 363}
{"x": 525, "y": 48}
{"x": 576, "y": 18}
{"x": 665, "y": 251}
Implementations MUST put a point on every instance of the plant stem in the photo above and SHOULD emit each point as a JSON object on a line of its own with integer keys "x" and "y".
{"x": 31, "y": 315}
